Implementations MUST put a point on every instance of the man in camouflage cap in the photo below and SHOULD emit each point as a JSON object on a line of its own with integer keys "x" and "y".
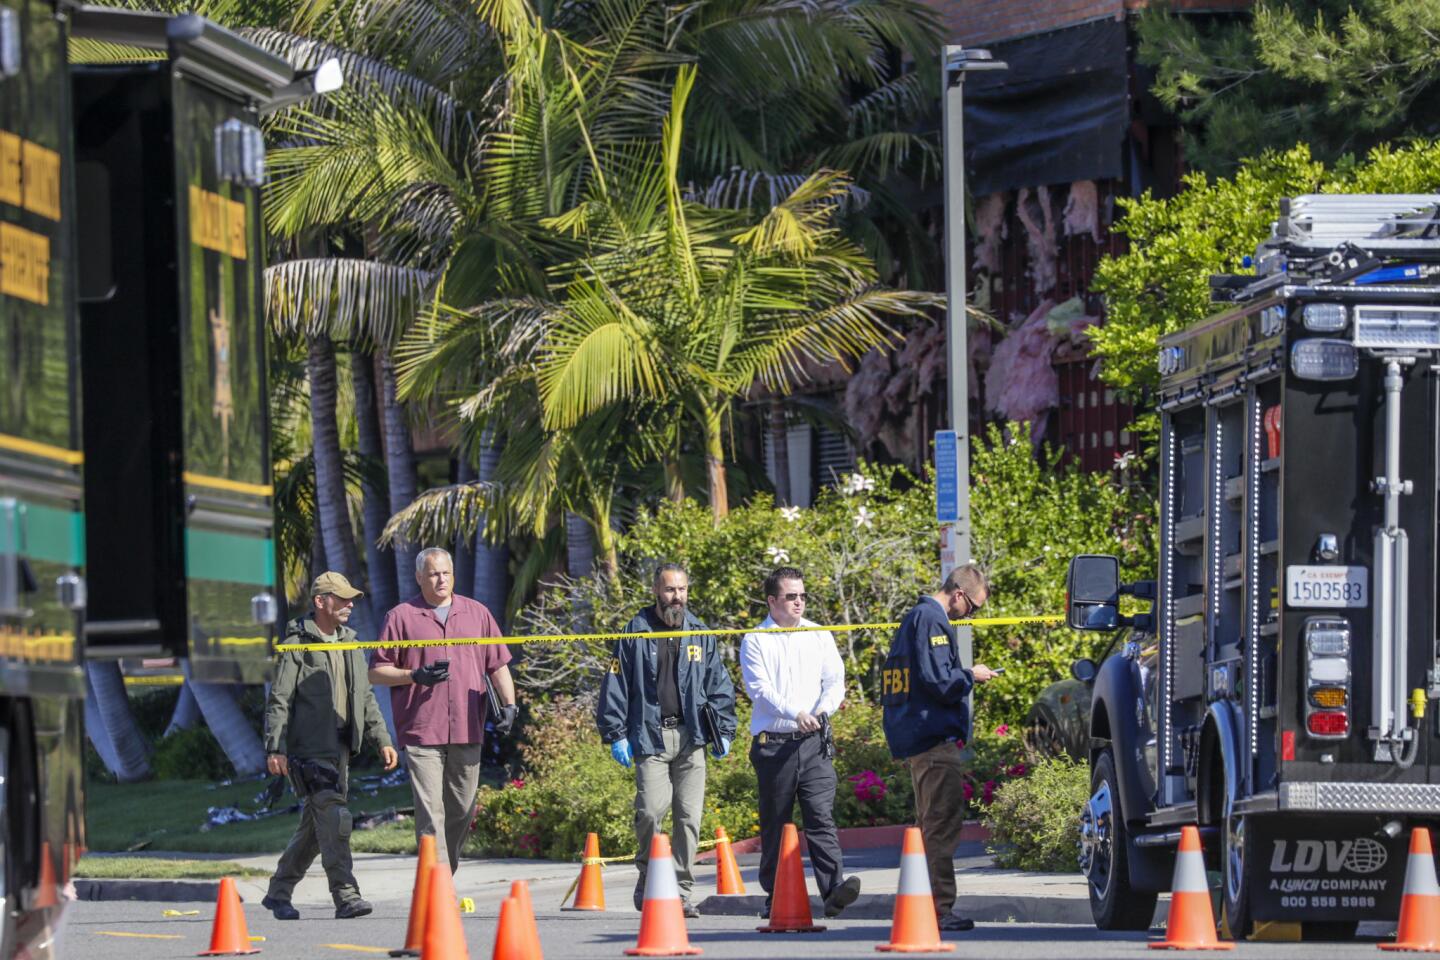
{"x": 320, "y": 705}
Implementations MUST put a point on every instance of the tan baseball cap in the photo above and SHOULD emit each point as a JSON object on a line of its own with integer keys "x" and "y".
{"x": 332, "y": 582}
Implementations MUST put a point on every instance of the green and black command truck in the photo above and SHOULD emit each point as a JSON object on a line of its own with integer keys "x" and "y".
{"x": 1281, "y": 693}
{"x": 135, "y": 497}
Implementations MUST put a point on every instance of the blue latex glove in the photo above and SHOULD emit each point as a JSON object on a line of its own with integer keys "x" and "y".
{"x": 724, "y": 750}
{"x": 620, "y": 750}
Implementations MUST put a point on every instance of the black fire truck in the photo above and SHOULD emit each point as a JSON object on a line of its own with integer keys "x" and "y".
{"x": 1280, "y": 691}
{"x": 135, "y": 498}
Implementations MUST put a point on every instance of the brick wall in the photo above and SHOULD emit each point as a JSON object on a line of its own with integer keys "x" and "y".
{"x": 975, "y": 22}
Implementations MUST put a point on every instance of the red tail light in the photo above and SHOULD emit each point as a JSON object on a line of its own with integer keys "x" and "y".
{"x": 1329, "y": 723}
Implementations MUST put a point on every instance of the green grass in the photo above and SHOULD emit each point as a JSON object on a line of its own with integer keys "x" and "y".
{"x": 168, "y": 814}
{"x": 161, "y": 868}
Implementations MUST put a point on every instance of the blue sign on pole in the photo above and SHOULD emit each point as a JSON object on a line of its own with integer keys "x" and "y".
{"x": 947, "y": 477}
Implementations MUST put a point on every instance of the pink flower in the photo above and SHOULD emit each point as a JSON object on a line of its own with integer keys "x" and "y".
{"x": 989, "y": 793}
{"x": 1003, "y": 730}
{"x": 969, "y": 790}
{"x": 518, "y": 784}
{"x": 1017, "y": 771}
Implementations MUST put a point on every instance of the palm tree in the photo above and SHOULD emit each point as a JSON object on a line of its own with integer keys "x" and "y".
{"x": 684, "y": 306}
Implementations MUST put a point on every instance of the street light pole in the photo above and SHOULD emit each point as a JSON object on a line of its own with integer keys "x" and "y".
{"x": 955, "y": 62}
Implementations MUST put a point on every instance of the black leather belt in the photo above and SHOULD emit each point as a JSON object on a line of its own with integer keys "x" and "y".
{"x": 795, "y": 735}
{"x": 670, "y": 723}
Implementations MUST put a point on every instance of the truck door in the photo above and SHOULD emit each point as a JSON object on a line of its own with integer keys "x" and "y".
{"x": 229, "y": 520}
{"x": 40, "y": 458}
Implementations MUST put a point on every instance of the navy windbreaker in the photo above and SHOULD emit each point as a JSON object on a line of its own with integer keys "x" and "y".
{"x": 923, "y": 687}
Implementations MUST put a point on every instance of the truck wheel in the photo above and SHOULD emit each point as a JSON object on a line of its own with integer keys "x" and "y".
{"x": 1104, "y": 856}
{"x": 1236, "y": 856}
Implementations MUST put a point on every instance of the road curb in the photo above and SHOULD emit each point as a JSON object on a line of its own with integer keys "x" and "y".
{"x": 164, "y": 891}
{"x": 987, "y": 909}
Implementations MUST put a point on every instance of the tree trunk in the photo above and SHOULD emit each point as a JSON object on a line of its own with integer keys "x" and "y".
{"x": 715, "y": 461}
{"x": 221, "y": 710}
{"x": 131, "y": 752}
{"x": 331, "y": 504}
{"x": 463, "y": 549}
{"x": 579, "y": 546}
{"x": 95, "y": 728}
{"x": 400, "y": 466}
{"x": 605, "y": 541}
{"x": 187, "y": 711}
{"x": 780, "y": 443}
{"x": 492, "y": 560}
{"x": 379, "y": 564}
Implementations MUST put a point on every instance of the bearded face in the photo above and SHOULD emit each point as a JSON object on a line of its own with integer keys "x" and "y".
{"x": 672, "y": 592}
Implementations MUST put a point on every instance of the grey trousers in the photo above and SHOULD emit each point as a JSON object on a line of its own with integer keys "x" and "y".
{"x": 672, "y": 781}
{"x": 324, "y": 831}
{"x": 445, "y": 781}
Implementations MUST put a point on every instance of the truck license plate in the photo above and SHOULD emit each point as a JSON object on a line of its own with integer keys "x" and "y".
{"x": 1323, "y": 586}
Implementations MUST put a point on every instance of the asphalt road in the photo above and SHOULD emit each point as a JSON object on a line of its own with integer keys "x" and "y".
{"x": 138, "y": 931}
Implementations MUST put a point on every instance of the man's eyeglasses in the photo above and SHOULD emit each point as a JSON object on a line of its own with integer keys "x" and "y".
{"x": 792, "y": 597}
{"x": 973, "y": 605}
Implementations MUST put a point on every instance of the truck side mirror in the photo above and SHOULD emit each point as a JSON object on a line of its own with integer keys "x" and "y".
{"x": 1092, "y": 593}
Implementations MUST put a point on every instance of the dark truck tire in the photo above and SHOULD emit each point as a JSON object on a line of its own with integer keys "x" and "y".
{"x": 1114, "y": 904}
{"x": 1236, "y": 855}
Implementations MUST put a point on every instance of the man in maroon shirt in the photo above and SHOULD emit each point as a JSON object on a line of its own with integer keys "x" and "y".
{"x": 438, "y": 695}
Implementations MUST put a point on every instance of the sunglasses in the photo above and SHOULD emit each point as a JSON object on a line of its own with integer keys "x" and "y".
{"x": 973, "y": 605}
{"x": 792, "y": 597}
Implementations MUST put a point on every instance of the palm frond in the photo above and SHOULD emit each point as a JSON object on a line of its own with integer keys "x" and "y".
{"x": 443, "y": 514}
{"x": 307, "y": 53}
{"x": 758, "y": 190}
{"x": 344, "y": 298}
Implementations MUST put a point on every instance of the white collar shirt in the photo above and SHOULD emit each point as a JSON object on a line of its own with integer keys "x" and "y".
{"x": 788, "y": 673}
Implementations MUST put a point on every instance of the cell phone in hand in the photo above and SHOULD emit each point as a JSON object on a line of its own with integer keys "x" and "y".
{"x": 443, "y": 664}
{"x": 997, "y": 670}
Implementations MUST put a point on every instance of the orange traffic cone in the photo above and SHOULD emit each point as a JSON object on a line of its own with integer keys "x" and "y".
{"x": 444, "y": 938}
{"x": 790, "y": 901}
{"x": 727, "y": 871}
{"x": 590, "y": 895}
{"x": 419, "y": 900}
{"x": 514, "y": 937}
{"x": 1192, "y": 923}
{"x": 45, "y": 889}
{"x": 662, "y": 920}
{"x": 915, "y": 928}
{"x": 520, "y": 893}
{"x": 1420, "y": 903}
{"x": 229, "y": 935}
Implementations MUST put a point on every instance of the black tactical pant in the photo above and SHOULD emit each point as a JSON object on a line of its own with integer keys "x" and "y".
{"x": 787, "y": 769}
{"x": 324, "y": 830}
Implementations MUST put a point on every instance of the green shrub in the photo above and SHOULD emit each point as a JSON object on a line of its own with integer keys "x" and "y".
{"x": 192, "y": 754}
{"x": 1034, "y": 821}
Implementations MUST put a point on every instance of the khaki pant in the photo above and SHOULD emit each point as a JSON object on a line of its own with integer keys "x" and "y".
{"x": 445, "y": 781}
{"x": 324, "y": 830}
{"x": 939, "y": 778}
{"x": 672, "y": 781}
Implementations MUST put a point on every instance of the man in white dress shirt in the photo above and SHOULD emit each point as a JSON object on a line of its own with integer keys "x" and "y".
{"x": 796, "y": 680}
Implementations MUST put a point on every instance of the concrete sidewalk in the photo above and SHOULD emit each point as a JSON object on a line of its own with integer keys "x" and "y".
{"x": 986, "y": 892}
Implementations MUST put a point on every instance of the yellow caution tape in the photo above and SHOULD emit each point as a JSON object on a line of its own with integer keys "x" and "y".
{"x": 179, "y": 913}
{"x": 648, "y": 635}
{"x": 702, "y": 845}
{"x": 159, "y": 680}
